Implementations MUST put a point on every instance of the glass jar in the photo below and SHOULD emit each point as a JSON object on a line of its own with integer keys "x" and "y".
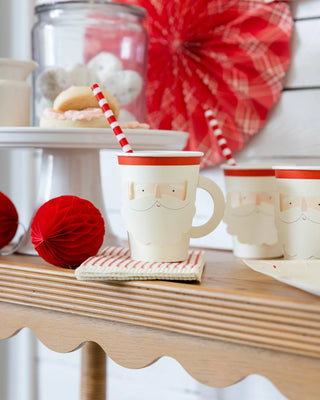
{"x": 78, "y": 43}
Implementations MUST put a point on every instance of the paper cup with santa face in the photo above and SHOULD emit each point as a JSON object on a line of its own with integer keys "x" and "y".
{"x": 249, "y": 212}
{"x": 297, "y": 211}
{"x": 158, "y": 203}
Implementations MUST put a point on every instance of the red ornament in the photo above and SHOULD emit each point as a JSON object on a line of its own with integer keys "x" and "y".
{"x": 67, "y": 230}
{"x": 228, "y": 56}
{"x": 8, "y": 220}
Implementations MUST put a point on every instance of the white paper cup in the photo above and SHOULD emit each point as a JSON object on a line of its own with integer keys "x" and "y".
{"x": 158, "y": 203}
{"x": 249, "y": 212}
{"x": 297, "y": 211}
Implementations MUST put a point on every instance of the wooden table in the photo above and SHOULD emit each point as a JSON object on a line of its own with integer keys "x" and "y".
{"x": 236, "y": 322}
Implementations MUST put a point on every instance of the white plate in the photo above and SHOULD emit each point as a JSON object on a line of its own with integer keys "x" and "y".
{"x": 303, "y": 274}
{"x": 98, "y": 138}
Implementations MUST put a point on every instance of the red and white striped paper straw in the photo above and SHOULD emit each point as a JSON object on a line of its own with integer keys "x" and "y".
{"x": 213, "y": 123}
{"x": 111, "y": 119}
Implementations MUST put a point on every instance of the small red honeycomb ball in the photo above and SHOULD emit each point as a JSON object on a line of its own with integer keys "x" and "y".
{"x": 67, "y": 230}
{"x": 9, "y": 220}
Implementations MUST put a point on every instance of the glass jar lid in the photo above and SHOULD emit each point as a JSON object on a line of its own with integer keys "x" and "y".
{"x": 47, "y": 5}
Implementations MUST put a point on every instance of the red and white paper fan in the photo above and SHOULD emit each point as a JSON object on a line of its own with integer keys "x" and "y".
{"x": 228, "y": 56}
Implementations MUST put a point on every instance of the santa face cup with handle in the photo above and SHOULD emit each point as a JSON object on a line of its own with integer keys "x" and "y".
{"x": 158, "y": 203}
{"x": 297, "y": 211}
{"x": 249, "y": 213}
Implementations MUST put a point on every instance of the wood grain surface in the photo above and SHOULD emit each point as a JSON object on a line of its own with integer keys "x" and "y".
{"x": 93, "y": 372}
{"x": 234, "y": 323}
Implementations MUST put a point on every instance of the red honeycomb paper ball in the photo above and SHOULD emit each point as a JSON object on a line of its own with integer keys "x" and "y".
{"x": 67, "y": 230}
{"x": 8, "y": 220}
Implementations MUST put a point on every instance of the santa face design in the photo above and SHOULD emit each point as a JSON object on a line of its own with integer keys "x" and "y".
{"x": 298, "y": 225}
{"x": 158, "y": 213}
{"x": 249, "y": 216}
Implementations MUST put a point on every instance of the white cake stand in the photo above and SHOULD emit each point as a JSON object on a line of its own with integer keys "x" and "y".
{"x": 70, "y": 163}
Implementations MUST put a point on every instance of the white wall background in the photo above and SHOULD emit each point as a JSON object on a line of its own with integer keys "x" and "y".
{"x": 17, "y": 180}
{"x": 292, "y": 131}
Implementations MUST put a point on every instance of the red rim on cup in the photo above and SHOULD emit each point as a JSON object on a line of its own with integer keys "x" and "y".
{"x": 297, "y": 172}
{"x": 160, "y": 158}
{"x": 254, "y": 170}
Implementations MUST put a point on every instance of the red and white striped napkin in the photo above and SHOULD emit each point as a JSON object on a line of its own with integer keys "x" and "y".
{"x": 114, "y": 263}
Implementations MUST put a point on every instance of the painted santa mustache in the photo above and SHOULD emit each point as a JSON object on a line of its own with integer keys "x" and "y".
{"x": 249, "y": 209}
{"x": 294, "y": 215}
{"x": 148, "y": 202}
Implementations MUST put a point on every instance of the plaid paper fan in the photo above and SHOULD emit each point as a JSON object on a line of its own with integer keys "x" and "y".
{"x": 227, "y": 55}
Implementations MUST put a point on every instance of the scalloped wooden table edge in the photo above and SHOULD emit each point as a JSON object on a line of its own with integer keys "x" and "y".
{"x": 235, "y": 323}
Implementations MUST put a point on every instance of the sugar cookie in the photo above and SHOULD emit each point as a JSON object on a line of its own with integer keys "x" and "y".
{"x": 79, "y": 98}
{"x": 100, "y": 122}
{"x": 87, "y": 118}
{"x": 134, "y": 125}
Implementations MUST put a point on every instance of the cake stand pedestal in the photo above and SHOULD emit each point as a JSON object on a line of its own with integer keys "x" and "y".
{"x": 71, "y": 172}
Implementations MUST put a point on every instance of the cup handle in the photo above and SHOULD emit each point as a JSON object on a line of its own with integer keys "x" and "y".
{"x": 219, "y": 205}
